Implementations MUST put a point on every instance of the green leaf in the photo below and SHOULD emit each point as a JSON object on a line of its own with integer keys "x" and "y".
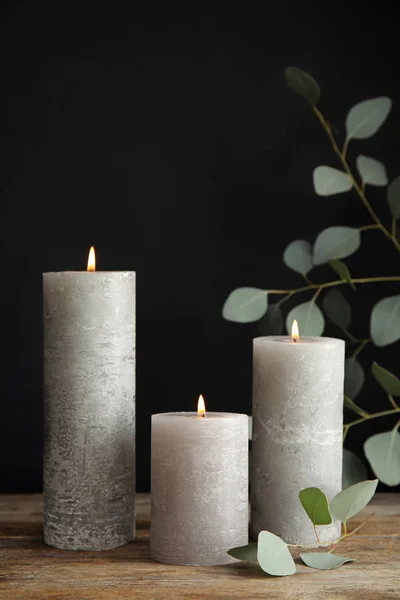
{"x": 352, "y": 500}
{"x": 354, "y": 469}
{"x": 248, "y": 552}
{"x": 328, "y": 181}
{"x": 383, "y": 453}
{"x": 385, "y": 321}
{"x": 303, "y": 84}
{"x": 354, "y": 377}
{"x": 245, "y": 304}
{"x": 323, "y": 560}
{"x": 389, "y": 382}
{"x": 272, "y": 322}
{"x": 365, "y": 118}
{"x": 273, "y": 555}
{"x": 298, "y": 256}
{"x": 342, "y": 270}
{"x": 336, "y": 242}
{"x": 348, "y": 403}
{"x": 309, "y": 318}
{"x": 371, "y": 171}
{"x": 315, "y": 503}
{"x": 337, "y": 308}
{"x": 393, "y": 197}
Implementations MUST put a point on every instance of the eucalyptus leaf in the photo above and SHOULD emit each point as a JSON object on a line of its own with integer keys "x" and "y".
{"x": 273, "y": 555}
{"x": 272, "y": 322}
{"x": 352, "y": 500}
{"x": 393, "y": 197}
{"x": 336, "y": 242}
{"x": 354, "y": 377}
{"x": 328, "y": 181}
{"x": 354, "y": 469}
{"x": 309, "y": 318}
{"x": 298, "y": 256}
{"x": 315, "y": 503}
{"x": 371, "y": 171}
{"x": 383, "y": 453}
{"x": 337, "y": 308}
{"x": 323, "y": 560}
{"x": 248, "y": 552}
{"x": 245, "y": 305}
{"x": 385, "y": 321}
{"x": 348, "y": 403}
{"x": 365, "y": 118}
{"x": 389, "y": 382}
{"x": 303, "y": 84}
{"x": 342, "y": 270}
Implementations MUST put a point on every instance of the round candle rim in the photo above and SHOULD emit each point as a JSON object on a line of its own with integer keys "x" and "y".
{"x": 187, "y": 413}
{"x": 84, "y": 271}
{"x": 303, "y": 339}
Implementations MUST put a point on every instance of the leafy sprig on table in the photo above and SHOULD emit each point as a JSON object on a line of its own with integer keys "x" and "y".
{"x": 273, "y": 555}
{"x": 331, "y": 246}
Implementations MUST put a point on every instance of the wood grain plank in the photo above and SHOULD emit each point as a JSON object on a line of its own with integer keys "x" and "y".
{"x": 29, "y": 570}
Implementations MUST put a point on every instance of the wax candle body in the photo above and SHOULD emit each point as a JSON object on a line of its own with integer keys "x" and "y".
{"x": 89, "y": 416}
{"x": 297, "y": 432}
{"x": 199, "y": 487}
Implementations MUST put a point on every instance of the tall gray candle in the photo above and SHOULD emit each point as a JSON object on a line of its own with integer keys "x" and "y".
{"x": 89, "y": 413}
{"x": 297, "y": 432}
{"x": 199, "y": 487}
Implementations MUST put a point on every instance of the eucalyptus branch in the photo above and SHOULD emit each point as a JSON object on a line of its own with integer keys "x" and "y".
{"x": 328, "y": 284}
{"x": 345, "y": 535}
{"x": 368, "y": 417}
{"x": 358, "y": 188}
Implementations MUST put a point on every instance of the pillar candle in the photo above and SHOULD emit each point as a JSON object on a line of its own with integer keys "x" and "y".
{"x": 89, "y": 412}
{"x": 297, "y": 432}
{"x": 199, "y": 487}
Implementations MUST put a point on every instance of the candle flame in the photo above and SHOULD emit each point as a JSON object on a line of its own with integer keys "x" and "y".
{"x": 91, "y": 265}
{"x": 295, "y": 331}
{"x": 201, "y": 407}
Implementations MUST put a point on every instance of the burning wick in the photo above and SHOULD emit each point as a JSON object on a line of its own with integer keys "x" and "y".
{"x": 201, "y": 408}
{"x": 295, "y": 332}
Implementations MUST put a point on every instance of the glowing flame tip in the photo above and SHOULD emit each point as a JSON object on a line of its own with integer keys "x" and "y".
{"x": 295, "y": 331}
{"x": 201, "y": 407}
{"x": 91, "y": 265}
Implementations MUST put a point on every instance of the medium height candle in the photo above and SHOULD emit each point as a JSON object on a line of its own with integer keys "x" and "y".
{"x": 297, "y": 432}
{"x": 89, "y": 412}
{"x": 199, "y": 487}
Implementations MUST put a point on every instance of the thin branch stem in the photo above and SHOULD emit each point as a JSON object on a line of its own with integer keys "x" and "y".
{"x": 350, "y": 336}
{"x": 360, "y": 348}
{"x": 282, "y": 300}
{"x": 366, "y": 227}
{"x": 394, "y": 228}
{"x": 316, "y": 533}
{"x": 334, "y": 283}
{"x": 368, "y": 417}
{"x": 393, "y": 401}
{"x": 359, "y": 189}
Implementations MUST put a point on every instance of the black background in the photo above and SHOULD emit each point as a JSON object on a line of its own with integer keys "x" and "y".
{"x": 169, "y": 140}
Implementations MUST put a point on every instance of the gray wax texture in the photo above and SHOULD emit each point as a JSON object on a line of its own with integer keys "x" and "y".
{"x": 89, "y": 409}
{"x": 297, "y": 433}
{"x": 199, "y": 487}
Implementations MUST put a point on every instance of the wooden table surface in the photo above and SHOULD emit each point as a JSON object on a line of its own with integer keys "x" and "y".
{"x": 31, "y": 570}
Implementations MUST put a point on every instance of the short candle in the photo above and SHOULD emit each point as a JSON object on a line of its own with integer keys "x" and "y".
{"x": 199, "y": 486}
{"x": 297, "y": 432}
